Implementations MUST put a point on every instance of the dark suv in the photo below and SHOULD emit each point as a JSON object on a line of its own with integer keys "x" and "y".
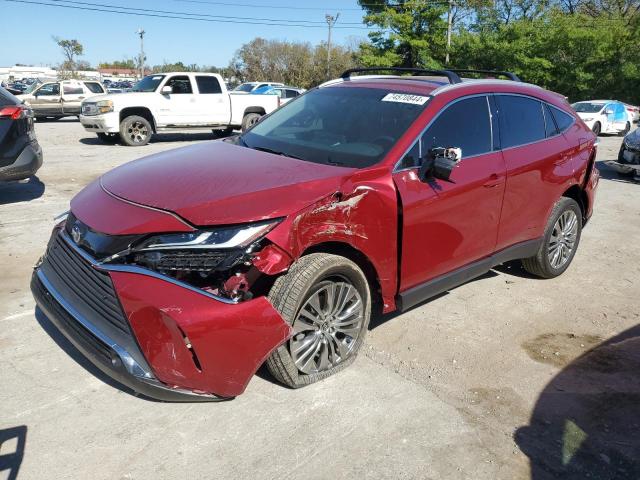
{"x": 20, "y": 153}
{"x": 179, "y": 274}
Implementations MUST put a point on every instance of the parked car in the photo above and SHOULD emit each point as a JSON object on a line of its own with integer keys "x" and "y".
{"x": 285, "y": 93}
{"x": 55, "y": 100}
{"x": 170, "y": 102}
{"x": 633, "y": 112}
{"x": 628, "y": 162}
{"x": 249, "y": 87}
{"x": 20, "y": 153}
{"x": 180, "y": 273}
{"x": 604, "y": 116}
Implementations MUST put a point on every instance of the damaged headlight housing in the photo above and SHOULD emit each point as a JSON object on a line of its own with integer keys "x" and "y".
{"x": 219, "y": 238}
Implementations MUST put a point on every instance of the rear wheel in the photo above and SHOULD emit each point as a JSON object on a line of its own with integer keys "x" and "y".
{"x": 597, "y": 128}
{"x": 249, "y": 120}
{"x": 326, "y": 300}
{"x": 108, "y": 138}
{"x": 135, "y": 131}
{"x": 560, "y": 242}
{"x": 626, "y": 130}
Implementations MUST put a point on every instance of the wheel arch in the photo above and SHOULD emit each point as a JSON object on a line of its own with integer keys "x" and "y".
{"x": 255, "y": 109}
{"x": 143, "y": 112}
{"x": 578, "y": 194}
{"x": 356, "y": 256}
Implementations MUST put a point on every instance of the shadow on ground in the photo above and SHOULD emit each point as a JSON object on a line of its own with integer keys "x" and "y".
{"x": 163, "y": 138}
{"x": 11, "y": 456}
{"x": 586, "y": 422}
{"x": 21, "y": 191}
{"x": 608, "y": 173}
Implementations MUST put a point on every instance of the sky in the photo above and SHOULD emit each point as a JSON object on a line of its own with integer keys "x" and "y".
{"x": 111, "y": 36}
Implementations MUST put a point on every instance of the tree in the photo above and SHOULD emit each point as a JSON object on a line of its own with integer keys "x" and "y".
{"x": 70, "y": 49}
{"x": 126, "y": 64}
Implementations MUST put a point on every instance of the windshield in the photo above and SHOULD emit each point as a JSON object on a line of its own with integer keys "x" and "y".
{"x": 32, "y": 87}
{"x": 148, "y": 84}
{"x": 587, "y": 107}
{"x": 245, "y": 87}
{"x": 348, "y": 126}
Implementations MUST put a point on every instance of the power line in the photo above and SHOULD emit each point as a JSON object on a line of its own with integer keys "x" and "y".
{"x": 177, "y": 16}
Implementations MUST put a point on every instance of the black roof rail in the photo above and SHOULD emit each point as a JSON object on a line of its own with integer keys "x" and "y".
{"x": 510, "y": 75}
{"x": 451, "y": 75}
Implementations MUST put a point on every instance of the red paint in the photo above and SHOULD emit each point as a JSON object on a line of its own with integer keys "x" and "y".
{"x": 494, "y": 201}
{"x": 230, "y": 341}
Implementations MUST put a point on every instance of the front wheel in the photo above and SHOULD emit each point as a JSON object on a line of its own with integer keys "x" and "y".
{"x": 596, "y": 128}
{"x": 560, "y": 241}
{"x": 135, "y": 131}
{"x": 249, "y": 120}
{"x": 327, "y": 301}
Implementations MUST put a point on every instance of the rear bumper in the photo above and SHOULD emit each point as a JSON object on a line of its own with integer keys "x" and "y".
{"x": 25, "y": 165}
{"x": 174, "y": 342}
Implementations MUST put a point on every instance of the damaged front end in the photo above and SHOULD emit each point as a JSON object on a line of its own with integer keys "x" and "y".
{"x": 188, "y": 307}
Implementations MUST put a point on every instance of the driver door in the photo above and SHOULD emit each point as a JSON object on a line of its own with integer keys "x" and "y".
{"x": 47, "y": 100}
{"x": 178, "y": 108}
{"x": 450, "y": 224}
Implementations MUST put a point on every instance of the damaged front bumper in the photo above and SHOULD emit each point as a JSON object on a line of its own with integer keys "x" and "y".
{"x": 161, "y": 337}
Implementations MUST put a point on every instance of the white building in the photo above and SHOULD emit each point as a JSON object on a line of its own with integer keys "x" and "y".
{"x": 18, "y": 72}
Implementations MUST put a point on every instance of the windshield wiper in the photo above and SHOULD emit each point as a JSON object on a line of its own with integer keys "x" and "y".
{"x": 275, "y": 152}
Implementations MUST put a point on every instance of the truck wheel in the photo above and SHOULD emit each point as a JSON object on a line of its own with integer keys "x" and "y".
{"x": 560, "y": 242}
{"x": 624, "y": 132}
{"x": 596, "y": 128}
{"x": 135, "y": 131}
{"x": 326, "y": 299}
{"x": 108, "y": 138}
{"x": 249, "y": 120}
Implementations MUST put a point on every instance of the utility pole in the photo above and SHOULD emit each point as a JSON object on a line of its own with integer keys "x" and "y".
{"x": 141, "y": 32}
{"x": 331, "y": 21}
{"x": 449, "y": 23}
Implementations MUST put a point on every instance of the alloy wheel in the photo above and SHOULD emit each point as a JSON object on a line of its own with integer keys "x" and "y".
{"x": 137, "y": 132}
{"x": 563, "y": 239}
{"x": 327, "y": 326}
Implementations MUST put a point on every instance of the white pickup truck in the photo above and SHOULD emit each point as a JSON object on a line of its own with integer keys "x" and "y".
{"x": 170, "y": 102}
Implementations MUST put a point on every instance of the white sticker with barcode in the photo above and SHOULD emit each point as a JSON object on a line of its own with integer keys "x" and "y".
{"x": 405, "y": 98}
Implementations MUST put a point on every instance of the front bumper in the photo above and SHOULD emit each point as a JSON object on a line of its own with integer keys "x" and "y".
{"x": 27, "y": 164}
{"x": 105, "y": 123}
{"x": 158, "y": 336}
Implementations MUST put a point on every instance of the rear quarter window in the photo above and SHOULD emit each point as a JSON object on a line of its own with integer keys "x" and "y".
{"x": 94, "y": 87}
{"x": 521, "y": 120}
{"x": 563, "y": 120}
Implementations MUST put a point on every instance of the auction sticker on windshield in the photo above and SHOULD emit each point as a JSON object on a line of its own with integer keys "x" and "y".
{"x": 405, "y": 98}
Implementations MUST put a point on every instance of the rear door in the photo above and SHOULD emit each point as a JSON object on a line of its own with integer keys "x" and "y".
{"x": 73, "y": 93}
{"x": 213, "y": 106}
{"x": 538, "y": 158}
{"x": 447, "y": 225}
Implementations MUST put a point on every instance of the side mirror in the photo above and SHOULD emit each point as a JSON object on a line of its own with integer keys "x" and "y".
{"x": 439, "y": 163}
{"x": 166, "y": 90}
{"x": 608, "y": 111}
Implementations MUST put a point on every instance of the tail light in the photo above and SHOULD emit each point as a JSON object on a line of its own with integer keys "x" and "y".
{"x": 14, "y": 112}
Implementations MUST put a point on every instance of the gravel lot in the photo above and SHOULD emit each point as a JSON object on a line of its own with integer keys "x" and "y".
{"x": 505, "y": 377}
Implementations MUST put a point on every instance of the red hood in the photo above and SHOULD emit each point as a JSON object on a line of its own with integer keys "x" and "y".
{"x": 216, "y": 183}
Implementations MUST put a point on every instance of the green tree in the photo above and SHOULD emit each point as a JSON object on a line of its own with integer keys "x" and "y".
{"x": 70, "y": 50}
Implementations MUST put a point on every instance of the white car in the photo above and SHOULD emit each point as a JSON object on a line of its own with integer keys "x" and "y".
{"x": 170, "y": 102}
{"x": 249, "y": 87}
{"x": 604, "y": 116}
{"x": 59, "y": 99}
{"x": 633, "y": 112}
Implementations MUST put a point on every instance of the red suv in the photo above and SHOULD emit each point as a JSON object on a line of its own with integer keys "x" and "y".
{"x": 179, "y": 274}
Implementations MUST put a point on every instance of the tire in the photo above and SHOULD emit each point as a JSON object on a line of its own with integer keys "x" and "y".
{"x": 135, "y": 131}
{"x": 626, "y": 130}
{"x": 545, "y": 264}
{"x": 310, "y": 277}
{"x": 108, "y": 138}
{"x": 249, "y": 120}
{"x": 597, "y": 128}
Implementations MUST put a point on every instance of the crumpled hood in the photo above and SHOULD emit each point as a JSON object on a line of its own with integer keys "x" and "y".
{"x": 216, "y": 183}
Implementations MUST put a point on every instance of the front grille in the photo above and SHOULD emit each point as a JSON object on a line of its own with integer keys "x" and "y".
{"x": 91, "y": 287}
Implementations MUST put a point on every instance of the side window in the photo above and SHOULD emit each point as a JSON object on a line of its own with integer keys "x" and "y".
{"x": 521, "y": 120}
{"x": 563, "y": 120}
{"x": 179, "y": 85}
{"x": 262, "y": 85}
{"x": 549, "y": 122}
{"x": 291, "y": 94}
{"x": 71, "y": 89}
{"x": 94, "y": 87}
{"x": 49, "y": 89}
{"x": 465, "y": 124}
{"x": 208, "y": 84}
{"x": 411, "y": 158}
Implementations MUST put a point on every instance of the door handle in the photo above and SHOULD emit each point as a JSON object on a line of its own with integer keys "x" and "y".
{"x": 494, "y": 181}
